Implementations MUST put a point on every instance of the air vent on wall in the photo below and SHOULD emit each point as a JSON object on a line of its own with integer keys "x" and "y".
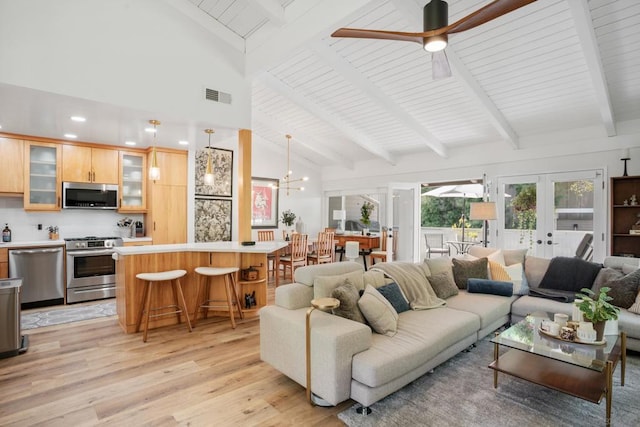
{"x": 217, "y": 96}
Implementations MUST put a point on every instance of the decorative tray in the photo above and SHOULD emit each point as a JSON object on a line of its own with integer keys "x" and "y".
{"x": 577, "y": 340}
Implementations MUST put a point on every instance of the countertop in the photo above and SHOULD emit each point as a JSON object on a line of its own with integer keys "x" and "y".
{"x": 259, "y": 247}
{"x": 32, "y": 244}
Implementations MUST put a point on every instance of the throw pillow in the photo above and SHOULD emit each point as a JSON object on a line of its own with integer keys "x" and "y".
{"x": 324, "y": 285}
{"x": 438, "y": 265}
{"x": 624, "y": 290}
{"x": 498, "y": 272}
{"x": 463, "y": 270}
{"x": 604, "y": 276}
{"x": 513, "y": 273}
{"x": 635, "y": 308}
{"x": 348, "y": 296}
{"x": 379, "y": 312}
{"x": 493, "y": 287}
{"x": 443, "y": 284}
{"x": 570, "y": 274}
{"x": 394, "y": 295}
{"x": 535, "y": 268}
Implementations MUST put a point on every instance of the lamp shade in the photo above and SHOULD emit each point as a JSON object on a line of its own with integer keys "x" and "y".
{"x": 339, "y": 215}
{"x": 483, "y": 211}
{"x": 352, "y": 250}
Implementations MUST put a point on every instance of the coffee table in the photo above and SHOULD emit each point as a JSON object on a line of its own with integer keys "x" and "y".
{"x": 580, "y": 370}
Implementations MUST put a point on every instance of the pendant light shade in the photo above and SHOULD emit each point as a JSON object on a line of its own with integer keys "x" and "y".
{"x": 209, "y": 177}
{"x": 154, "y": 170}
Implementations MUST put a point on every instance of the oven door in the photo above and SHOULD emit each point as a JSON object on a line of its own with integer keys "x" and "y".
{"x": 90, "y": 268}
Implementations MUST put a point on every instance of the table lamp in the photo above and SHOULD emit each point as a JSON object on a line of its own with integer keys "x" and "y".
{"x": 320, "y": 304}
{"x": 340, "y": 215}
{"x": 483, "y": 211}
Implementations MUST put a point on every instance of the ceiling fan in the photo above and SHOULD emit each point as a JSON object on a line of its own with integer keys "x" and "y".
{"x": 436, "y": 31}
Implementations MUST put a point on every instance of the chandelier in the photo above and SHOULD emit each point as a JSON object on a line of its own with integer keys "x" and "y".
{"x": 286, "y": 182}
{"x": 209, "y": 178}
{"x": 154, "y": 170}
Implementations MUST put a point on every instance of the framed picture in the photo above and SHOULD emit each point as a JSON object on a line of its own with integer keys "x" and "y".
{"x": 264, "y": 203}
{"x": 222, "y": 162}
{"x": 212, "y": 219}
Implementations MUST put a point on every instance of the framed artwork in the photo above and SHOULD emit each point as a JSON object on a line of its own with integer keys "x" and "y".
{"x": 222, "y": 161}
{"x": 212, "y": 219}
{"x": 264, "y": 203}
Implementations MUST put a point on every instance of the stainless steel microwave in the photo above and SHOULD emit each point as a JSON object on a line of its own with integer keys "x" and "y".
{"x": 78, "y": 195}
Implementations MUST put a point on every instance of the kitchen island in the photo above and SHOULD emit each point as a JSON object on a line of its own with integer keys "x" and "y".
{"x": 132, "y": 260}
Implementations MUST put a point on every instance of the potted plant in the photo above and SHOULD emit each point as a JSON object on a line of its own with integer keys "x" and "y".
{"x": 287, "y": 219}
{"x": 597, "y": 309}
{"x": 365, "y": 214}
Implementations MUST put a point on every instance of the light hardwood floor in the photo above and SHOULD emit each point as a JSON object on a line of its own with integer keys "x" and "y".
{"x": 91, "y": 373}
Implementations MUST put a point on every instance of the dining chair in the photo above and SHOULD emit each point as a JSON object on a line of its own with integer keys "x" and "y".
{"x": 435, "y": 244}
{"x": 298, "y": 255}
{"x": 380, "y": 254}
{"x": 325, "y": 249}
{"x": 266, "y": 236}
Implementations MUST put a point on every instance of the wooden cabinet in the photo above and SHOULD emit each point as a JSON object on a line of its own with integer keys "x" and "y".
{"x": 624, "y": 215}
{"x": 42, "y": 184}
{"x": 133, "y": 182}
{"x": 4, "y": 263}
{"x": 11, "y": 166}
{"x": 167, "y": 202}
{"x": 138, "y": 243}
{"x": 255, "y": 288}
{"x": 88, "y": 164}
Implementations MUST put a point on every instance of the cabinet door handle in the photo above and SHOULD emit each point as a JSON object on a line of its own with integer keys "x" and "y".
{"x": 94, "y": 176}
{"x": 58, "y": 201}
{"x": 89, "y": 176}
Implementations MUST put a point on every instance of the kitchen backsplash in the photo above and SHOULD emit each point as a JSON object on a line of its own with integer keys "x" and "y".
{"x": 70, "y": 222}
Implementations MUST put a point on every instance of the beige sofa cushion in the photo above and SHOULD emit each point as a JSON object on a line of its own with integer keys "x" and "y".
{"x": 307, "y": 274}
{"x": 534, "y": 269}
{"x": 487, "y": 307}
{"x": 323, "y": 286}
{"x": 511, "y": 256}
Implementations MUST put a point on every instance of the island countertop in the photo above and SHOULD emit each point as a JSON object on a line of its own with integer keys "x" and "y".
{"x": 237, "y": 247}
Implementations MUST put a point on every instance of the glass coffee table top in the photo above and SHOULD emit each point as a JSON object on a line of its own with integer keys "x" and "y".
{"x": 525, "y": 336}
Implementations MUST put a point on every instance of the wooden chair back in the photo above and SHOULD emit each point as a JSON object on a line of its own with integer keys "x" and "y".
{"x": 265, "y": 235}
{"x": 325, "y": 247}
{"x": 299, "y": 246}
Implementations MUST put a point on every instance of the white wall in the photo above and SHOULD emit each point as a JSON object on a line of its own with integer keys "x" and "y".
{"x": 139, "y": 54}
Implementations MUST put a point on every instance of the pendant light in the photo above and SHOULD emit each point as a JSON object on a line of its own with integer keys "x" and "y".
{"x": 209, "y": 178}
{"x": 286, "y": 181}
{"x": 154, "y": 170}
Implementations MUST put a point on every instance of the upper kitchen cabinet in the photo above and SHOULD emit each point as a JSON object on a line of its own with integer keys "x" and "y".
{"x": 11, "y": 166}
{"x": 133, "y": 188}
{"x": 42, "y": 184}
{"x": 88, "y": 164}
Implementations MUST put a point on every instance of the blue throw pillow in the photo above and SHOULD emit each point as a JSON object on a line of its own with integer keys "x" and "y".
{"x": 394, "y": 295}
{"x": 494, "y": 287}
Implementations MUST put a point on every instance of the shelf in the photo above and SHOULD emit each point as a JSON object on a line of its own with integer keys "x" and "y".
{"x": 626, "y": 235}
{"x": 626, "y": 206}
{"x": 252, "y": 282}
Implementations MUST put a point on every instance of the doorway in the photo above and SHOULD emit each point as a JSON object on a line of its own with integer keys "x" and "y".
{"x": 551, "y": 214}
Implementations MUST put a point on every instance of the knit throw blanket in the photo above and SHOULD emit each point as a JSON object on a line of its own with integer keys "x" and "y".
{"x": 412, "y": 279}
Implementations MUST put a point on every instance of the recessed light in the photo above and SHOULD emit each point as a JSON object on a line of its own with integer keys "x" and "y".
{"x": 70, "y": 135}
{"x": 150, "y": 130}
{"x": 183, "y": 142}
{"x": 130, "y": 143}
{"x": 78, "y": 119}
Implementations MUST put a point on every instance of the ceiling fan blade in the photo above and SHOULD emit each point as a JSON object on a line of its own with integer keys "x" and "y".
{"x": 440, "y": 68}
{"x": 378, "y": 34}
{"x": 485, "y": 14}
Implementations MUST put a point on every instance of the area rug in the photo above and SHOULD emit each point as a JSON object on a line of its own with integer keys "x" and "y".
{"x": 460, "y": 393}
{"x": 66, "y": 315}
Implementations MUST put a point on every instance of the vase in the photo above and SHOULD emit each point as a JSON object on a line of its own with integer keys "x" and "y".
{"x": 599, "y": 327}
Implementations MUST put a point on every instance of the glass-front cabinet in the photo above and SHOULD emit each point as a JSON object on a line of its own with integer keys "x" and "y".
{"x": 132, "y": 182}
{"x": 42, "y": 176}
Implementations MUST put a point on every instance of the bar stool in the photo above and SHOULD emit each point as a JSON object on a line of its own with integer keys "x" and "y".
{"x": 154, "y": 279}
{"x": 229, "y": 287}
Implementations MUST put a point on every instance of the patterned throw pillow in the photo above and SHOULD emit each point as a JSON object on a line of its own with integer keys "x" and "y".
{"x": 463, "y": 270}
{"x": 513, "y": 273}
{"x": 348, "y": 296}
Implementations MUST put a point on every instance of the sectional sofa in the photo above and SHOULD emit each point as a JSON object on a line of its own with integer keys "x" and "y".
{"x": 349, "y": 360}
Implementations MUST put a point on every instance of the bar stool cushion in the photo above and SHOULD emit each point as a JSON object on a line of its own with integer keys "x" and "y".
{"x": 216, "y": 271}
{"x": 161, "y": 275}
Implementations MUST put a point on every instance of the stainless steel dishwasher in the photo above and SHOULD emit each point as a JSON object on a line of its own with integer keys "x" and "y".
{"x": 42, "y": 273}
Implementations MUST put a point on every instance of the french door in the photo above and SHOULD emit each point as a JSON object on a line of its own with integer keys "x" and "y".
{"x": 403, "y": 204}
{"x": 551, "y": 214}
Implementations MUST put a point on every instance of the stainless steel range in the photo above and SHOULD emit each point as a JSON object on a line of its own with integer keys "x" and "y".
{"x": 91, "y": 271}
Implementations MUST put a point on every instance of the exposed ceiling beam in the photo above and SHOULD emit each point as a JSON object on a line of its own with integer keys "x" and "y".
{"x": 357, "y": 79}
{"x": 587, "y": 36}
{"x": 332, "y": 119}
{"x": 306, "y": 20}
{"x": 207, "y": 22}
{"x": 412, "y": 13}
{"x": 304, "y": 139}
{"x": 272, "y": 9}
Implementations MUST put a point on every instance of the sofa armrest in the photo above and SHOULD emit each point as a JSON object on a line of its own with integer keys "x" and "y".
{"x": 334, "y": 341}
{"x": 294, "y": 296}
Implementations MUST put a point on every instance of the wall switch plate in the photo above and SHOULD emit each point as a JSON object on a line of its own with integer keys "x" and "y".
{"x": 39, "y": 226}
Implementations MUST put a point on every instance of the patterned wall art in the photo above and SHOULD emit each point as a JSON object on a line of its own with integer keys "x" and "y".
{"x": 264, "y": 203}
{"x": 212, "y": 219}
{"x": 222, "y": 161}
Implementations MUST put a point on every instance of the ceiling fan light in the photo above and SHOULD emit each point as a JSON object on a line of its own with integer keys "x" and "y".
{"x": 435, "y": 43}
